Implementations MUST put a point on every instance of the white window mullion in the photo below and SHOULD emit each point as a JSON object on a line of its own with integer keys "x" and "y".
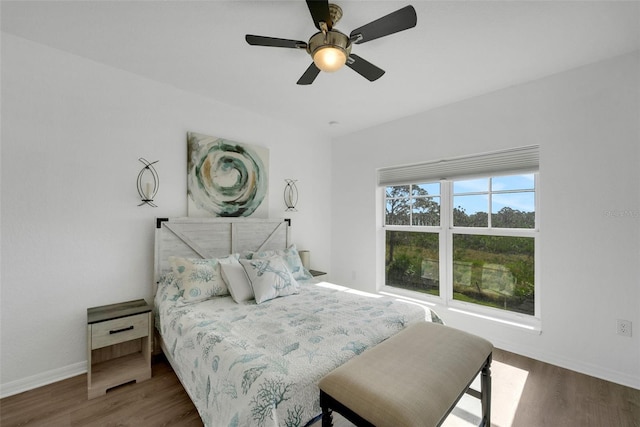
{"x": 411, "y": 201}
{"x": 507, "y": 232}
{"x": 536, "y": 201}
{"x": 490, "y": 202}
{"x": 537, "y": 296}
{"x": 446, "y": 246}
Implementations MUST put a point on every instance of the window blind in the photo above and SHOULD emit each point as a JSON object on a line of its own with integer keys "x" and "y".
{"x": 522, "y": 159}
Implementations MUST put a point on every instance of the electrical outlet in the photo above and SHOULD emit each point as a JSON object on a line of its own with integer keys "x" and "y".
{"x": 624, "y": 327}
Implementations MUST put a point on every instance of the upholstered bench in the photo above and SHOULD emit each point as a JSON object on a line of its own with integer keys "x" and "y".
{"x": 415, "y": 378}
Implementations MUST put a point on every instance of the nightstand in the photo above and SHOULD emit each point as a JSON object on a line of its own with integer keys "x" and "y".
{"x": 316, "y": 273}
{"x": 119, "y": 340}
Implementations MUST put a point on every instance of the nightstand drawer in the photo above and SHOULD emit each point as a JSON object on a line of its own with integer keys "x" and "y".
{"x": 119, "y": 330}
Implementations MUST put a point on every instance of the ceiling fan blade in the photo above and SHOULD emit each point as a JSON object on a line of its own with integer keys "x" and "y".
{"x": 319, "y": 10}
{"x": 310, "y": 75}
{"x": 274, "y": 42}
{"x": 400, "y": 20}
{"x": 365, "y": 68}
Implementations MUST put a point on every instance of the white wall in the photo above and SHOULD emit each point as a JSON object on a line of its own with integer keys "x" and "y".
{"x": 72, "y": 234}
{"x": 587, "y": 123}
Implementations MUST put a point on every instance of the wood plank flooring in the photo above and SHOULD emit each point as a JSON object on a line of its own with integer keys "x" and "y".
{"x": 526, "y": 393}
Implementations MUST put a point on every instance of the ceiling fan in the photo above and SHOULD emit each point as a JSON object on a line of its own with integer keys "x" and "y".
{"x": 331, "y": 49}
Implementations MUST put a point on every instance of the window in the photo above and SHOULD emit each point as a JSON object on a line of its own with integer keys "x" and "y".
{"x": 470, "y": 241}
{"x": 412, "y": 258}
{"x": 414, "y": 204}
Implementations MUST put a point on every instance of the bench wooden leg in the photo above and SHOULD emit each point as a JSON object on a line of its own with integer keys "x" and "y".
{"x": 327, "y": 417}
{"x": 330, "y": 405}
{"x": 486, "y": 393}
{"x": 327, "y": 412}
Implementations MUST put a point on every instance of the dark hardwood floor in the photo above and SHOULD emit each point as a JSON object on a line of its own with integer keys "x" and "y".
{"x": 526, "y": 393}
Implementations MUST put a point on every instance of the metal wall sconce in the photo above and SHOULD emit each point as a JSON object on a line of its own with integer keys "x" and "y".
{"x": 291, "y": 195}
{"x": 148, "y": 183}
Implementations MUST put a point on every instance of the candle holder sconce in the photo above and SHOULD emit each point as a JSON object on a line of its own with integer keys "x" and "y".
{"x": 148, "y": 183}
{"x": 291, "y": 195}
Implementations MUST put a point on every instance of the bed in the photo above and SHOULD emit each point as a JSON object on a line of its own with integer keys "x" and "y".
{"x": 256, "y": 360}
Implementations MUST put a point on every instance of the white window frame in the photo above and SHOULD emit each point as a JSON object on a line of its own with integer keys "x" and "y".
{"x": 446, "y": 231}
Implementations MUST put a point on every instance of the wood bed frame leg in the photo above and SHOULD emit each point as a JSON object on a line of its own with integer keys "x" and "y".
{"x": 327, "y": 417}
{"x": 486, "y": 393}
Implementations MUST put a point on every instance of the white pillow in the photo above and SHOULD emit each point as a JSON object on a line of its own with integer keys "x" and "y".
{"x": 270, "y": 278}
{"x": 291, "y": 257}
{"x": 200, "y": 278}
{"x": 237, "y": 281}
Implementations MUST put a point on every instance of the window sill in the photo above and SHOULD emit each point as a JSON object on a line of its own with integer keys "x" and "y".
{"x": 529, "y": 324}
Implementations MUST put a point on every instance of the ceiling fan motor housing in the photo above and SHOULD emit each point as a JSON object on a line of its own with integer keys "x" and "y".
{"x": 332, "y": 38}
{"x": 335, "y": 12}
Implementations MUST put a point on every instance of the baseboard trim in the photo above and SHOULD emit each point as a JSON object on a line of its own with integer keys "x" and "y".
{"x": 42, "y": 379}
{"x": 573, "y": 365}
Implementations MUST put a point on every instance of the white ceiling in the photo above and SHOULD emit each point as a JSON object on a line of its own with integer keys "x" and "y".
{"x": 458, "y": 49}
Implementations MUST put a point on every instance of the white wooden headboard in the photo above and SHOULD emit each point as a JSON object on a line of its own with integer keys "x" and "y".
{"x": 215, "y": 237}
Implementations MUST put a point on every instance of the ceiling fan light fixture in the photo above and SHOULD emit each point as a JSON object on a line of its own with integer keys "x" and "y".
{"x": 330, "y": 58}
{"x": 329, "y": 50}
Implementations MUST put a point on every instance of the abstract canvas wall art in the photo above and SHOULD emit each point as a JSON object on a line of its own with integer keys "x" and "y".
{"x": 226, "y": 178}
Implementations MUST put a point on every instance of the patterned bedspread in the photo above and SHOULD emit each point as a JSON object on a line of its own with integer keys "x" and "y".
{"x": 259, "y": 365}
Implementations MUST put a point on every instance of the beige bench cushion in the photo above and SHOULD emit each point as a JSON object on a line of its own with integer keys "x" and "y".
{"x": 411, "y": 379}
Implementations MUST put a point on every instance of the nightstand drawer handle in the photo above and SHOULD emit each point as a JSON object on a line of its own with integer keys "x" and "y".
{"x": 121, "y": 330}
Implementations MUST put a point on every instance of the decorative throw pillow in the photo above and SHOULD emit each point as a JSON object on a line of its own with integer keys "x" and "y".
{"x": 291, "y": 257}
{"x": 200, "y": 278}
{"x": 270, "y": 278}
{"x": 237, "y": 281}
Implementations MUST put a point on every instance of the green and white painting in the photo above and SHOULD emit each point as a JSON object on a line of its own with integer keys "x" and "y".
{"x": 226, "y": 178}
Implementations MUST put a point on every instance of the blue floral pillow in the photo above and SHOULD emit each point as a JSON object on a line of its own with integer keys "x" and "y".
{"x": 200, "y": 278}
{"x": 270, "y": 278}
{"x": 291, "y": 257}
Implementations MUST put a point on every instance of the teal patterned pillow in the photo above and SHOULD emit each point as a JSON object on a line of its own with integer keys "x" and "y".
{"x": 291, "y": 257}
{"x": 270, "y": 278}
{"x": 200, "y": 278}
